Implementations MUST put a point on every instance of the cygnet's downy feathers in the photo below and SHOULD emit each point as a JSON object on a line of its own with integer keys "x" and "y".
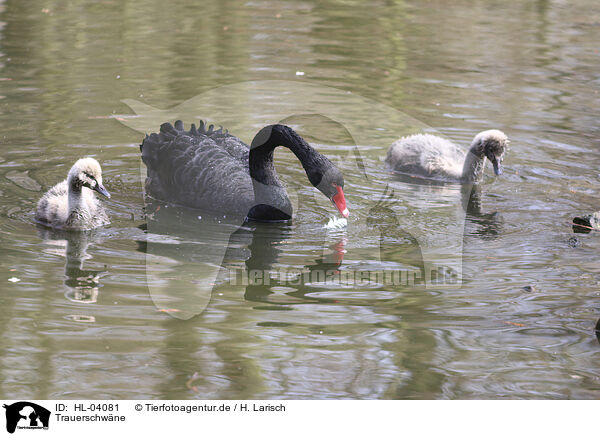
{"x": 71, "y": 204}
{"x": 432, "y": 157}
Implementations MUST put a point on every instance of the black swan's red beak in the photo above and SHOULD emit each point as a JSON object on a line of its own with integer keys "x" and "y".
{"x": 340, "y": 201}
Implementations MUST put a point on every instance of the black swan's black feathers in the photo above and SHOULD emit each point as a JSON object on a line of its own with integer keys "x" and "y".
{"x": 210, "y": 169}
{"x": 201, "y": 168}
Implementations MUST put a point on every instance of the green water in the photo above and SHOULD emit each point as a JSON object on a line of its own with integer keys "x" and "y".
{"x": 99, "y": 315}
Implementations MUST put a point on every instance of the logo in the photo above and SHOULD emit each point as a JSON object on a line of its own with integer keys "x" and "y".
{"x": 26, "y": 415}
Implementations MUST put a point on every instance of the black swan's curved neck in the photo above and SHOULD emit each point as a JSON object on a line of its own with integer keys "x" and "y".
{"x": 271, "y": 201}
{"x": 262, "y": 168}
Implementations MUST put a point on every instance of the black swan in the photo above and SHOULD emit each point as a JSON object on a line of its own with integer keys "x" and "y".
{"x": 71, "y": 204}
{"x": 432, "y": 157}
{"x": 212, "y": 170}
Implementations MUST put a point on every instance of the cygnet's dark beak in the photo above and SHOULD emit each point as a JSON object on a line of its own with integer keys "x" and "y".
{"x": 497, "y": 165}
{"x": 102, "y": 190}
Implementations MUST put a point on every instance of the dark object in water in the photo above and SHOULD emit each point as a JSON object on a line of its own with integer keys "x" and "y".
{"x": 214, "y": 171}
{"x": 574, "y": 242}
{"x": 597, "y": 330}
{"x": 587, "y": 223}
{"x": 529, "y": 288}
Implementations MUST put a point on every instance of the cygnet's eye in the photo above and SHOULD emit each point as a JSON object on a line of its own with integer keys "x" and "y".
{"x": 89, "y": 176}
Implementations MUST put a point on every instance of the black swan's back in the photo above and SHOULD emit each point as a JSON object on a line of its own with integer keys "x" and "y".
{"x": 201, "y": 168}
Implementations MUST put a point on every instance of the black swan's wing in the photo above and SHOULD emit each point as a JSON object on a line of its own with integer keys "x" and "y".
{"x": 232, "y": 144}
{"x": 200, "y": 168}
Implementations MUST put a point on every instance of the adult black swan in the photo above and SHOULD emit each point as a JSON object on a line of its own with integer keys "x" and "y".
{"x": 214, "y": 171}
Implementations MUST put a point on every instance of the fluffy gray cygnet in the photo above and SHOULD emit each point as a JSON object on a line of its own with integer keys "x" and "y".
{"x": 71, "y": 204}
{"x": 431, "y": 157}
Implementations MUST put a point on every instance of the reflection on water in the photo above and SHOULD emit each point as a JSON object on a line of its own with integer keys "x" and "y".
{"x": 488, "y": 224}
{"x": 395, "y": 243}
{"x": 82, "y": 284}
{"x": 325, "y": 325}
